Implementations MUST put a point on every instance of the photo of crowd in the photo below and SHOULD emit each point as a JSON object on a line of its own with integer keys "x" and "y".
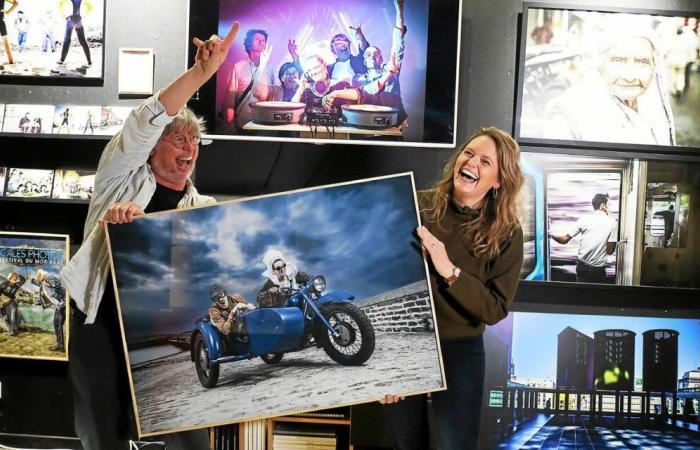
{"x": 359, "y": 64}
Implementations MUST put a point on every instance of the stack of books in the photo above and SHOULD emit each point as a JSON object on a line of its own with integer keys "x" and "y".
{"x": 298, "y": 436}
{"x": 226, "y": 437}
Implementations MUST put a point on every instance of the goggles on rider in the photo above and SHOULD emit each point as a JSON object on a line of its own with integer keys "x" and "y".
{"x": 278, "y": 268}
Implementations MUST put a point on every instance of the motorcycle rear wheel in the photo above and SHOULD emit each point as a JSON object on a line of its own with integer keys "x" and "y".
{"x": 207, "y": 373}
{"x": 355, "y": 343}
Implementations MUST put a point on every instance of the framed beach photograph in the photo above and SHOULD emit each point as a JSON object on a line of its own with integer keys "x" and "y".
{"x": 81, "y": 120}
{"x": 34, "y": 303}
{"x": 286, "y": 303}
{"x": 53, "y": 42}
{"x": 112, "y": 119}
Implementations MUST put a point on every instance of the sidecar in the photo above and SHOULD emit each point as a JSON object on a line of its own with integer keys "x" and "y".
{"x": 266, "y": 332}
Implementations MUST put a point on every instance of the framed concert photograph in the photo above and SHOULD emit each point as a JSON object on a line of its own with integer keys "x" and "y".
{"x": 608, "y": 78}
{"x": 59, "y": 42}
{"x": 380, "y": 72}
{"x": 290, "y": 302}
{"x": 34, "y": 303}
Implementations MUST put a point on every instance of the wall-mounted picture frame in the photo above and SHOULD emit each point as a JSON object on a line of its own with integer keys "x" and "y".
{"x": 642, "y": 237}
{"x": 28, "y": 119}
{"x": 73, "y": 184}
{"x": 619, "y": 375}
{"x": 288, "y": 303}
{"x": 136, "y": 72}
{"x": 54, "y": 42}
{"x": 79, "y": 120}
{"x": 608, "y": 78}
{"x": 35, "y": 322}
{"x": 29, "y": 183}
{"x": 112, "y": 119}
{"x": 350, "y": 97}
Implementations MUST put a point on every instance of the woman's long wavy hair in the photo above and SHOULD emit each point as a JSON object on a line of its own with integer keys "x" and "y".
{"x": 498, "y": 217}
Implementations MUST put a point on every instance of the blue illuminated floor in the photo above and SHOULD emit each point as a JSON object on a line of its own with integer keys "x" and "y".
{"x": 544, "y": 432}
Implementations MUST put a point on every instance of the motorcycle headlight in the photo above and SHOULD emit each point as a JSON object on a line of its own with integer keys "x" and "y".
{"x": 319, "y": 284}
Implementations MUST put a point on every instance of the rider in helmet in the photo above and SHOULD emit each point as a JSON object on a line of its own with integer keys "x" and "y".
{"x": 225, "y": 310}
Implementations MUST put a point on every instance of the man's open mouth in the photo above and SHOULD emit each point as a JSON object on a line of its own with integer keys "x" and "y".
{"x": 184, "y": 161}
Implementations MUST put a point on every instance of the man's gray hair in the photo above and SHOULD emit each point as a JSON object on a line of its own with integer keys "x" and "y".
{"x": 186, "y": 120}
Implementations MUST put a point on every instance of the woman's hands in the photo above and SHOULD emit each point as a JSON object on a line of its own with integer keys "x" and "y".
{"x": 390, "y": 398}
{"x": 437, "y": 252}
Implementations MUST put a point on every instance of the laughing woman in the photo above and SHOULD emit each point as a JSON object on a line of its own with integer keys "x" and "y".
{"x": 474, "y": 243}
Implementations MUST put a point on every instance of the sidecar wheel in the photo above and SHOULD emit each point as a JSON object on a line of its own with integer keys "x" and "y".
{"x": 272, "y": 358}
{"x": 355, "y": 343}
{"x": 207, "y": 373}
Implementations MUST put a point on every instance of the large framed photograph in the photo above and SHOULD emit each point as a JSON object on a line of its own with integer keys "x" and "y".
{"x": 609, "y": 78}
{"x": 606, "y": 379}
{"x": 372, "y": 71}
{"x": 53, "y": 42}
{"x": 610, "y": 220}
{"x": 34, "y": 319}
{"x": 286, "y": 303}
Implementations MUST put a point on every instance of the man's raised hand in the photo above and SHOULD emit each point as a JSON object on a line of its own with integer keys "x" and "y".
{"x": 212, "y": 52}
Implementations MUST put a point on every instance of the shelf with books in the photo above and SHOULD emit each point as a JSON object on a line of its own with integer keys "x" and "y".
{"x": 322, "y": 430}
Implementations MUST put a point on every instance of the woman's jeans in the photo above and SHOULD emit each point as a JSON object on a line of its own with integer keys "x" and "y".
{"x": 457, "y": 410}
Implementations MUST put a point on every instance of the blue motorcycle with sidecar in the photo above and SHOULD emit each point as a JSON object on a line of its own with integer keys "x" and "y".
{"x": 308, "y": 318}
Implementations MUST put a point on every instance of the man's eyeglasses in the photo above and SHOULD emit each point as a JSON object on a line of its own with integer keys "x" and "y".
{"x": 179, "y": 141}
{"x": 278, "y": 268}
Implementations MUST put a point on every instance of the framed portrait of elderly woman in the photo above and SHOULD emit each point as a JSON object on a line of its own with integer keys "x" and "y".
{"x": 52, "y": 42}
{"x": 609, "y": 78}
{"x": 33, "y": 302}
{"x": 273, "y": 305}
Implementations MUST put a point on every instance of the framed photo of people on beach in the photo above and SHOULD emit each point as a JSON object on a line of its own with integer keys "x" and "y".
{"x": 290, "y": 302}
{"x": 33, "y": 301}
{"x": 609, "y": 78}
{"x": 379, "y": 71}
{"x": 52, "y": 42}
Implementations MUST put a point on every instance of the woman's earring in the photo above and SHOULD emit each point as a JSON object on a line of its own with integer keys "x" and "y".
{"x": 495, "y": 193}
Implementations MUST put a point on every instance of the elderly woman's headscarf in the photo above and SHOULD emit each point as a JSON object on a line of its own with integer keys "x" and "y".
{"x": 272, "y": 255}
{"x": 654, "y": 104}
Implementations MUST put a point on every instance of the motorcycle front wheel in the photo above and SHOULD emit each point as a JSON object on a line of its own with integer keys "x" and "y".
{"x": 207, "y": 373}
{"x": 354, "y": 343}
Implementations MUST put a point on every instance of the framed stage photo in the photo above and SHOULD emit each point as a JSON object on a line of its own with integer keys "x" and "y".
{"x": 378, "y": 72}
{"x": 53, "y": 42}
{"x": 34, "y": 319}
{"x": 608, "y": 78}
{"x": 285, "y": 303}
